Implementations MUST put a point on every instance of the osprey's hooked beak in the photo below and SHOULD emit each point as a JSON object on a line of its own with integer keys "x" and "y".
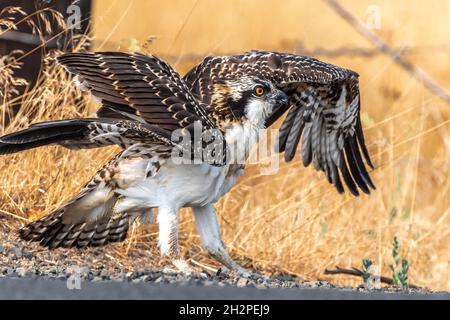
{"x": 279, "y": 98}
{"x": 281, "y": 105}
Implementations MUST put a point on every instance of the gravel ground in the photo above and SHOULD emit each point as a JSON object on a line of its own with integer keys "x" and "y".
{"x": 96, "y": 266}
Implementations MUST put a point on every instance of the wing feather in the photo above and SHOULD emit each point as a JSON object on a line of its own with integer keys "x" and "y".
{"x": 323, "y": 111}
{"x": 295, "y": 132}
{"x": 139, "y": 82}
{"x": 132, "y": 86}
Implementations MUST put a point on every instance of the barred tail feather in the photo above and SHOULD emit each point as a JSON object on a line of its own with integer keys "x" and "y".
{"x": 51, "y": 231}
{"x": 88, "y": 219}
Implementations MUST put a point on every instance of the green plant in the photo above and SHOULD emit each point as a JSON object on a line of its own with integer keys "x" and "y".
{"x": 399, "y": 267}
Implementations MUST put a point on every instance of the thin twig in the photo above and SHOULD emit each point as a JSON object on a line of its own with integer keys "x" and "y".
{"x": 396, "y": 55}
{"x": 365, "y": 52}
{"x": 204, "y": 266}
{"x": 358, "y": 273}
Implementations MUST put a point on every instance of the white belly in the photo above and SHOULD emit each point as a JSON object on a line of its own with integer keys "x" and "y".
{"x": 175, "y": 185}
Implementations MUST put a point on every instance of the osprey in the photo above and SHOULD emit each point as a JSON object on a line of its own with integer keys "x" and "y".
{"x": 145, "y": 103}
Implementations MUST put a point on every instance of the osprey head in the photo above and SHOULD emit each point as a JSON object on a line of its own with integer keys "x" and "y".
{"x": 246, "y": 99}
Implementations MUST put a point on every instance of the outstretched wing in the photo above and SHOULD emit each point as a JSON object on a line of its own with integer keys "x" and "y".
{"x": 323, "y": 110}
{"x": 135, "y": 85}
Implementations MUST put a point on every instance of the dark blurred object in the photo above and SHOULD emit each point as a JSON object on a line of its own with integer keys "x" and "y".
{"x": 34, "y": 46}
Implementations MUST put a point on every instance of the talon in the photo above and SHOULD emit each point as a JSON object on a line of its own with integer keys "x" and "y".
{"x": 183, "y": 266}
{"x": 243, "y": 273}
{"x": 258, "y": 276}
{"x": 223, "y": 271}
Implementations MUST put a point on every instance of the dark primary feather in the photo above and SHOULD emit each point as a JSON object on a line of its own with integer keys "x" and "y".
{"x": 322, "y": 113}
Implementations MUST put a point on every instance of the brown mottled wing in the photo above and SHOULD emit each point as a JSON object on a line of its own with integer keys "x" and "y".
{"x": 136, "y": 86}
{"x": 145, "y": 89}
{"x": 323, "y": 110}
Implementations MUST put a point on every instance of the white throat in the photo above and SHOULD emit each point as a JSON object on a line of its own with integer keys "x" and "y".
{"x": 241, "y": 137}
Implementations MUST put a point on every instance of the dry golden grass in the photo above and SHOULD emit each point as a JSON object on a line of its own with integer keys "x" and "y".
{"x": 293, "y": 221}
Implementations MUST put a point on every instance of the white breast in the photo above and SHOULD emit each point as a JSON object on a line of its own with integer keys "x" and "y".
{"x": 176, "y": 185}
{"x": 240, "y": 139}
{"x": 185, "y": 185}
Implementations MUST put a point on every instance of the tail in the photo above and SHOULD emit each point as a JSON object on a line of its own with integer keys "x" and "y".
{"x": 88, "y": 219}
{"x": 52, "y": 232}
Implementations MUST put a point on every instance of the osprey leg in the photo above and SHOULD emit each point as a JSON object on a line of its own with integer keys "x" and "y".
{"x": 208, "y": 227}
{"x": 168, "y": 238}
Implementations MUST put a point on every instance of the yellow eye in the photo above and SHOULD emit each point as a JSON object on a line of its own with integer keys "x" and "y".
{"x": 259, "y": 91}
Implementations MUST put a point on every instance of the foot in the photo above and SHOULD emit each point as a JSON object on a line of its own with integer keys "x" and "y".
{"x": 183, "y": 266}
{"x": 242, "y": 273}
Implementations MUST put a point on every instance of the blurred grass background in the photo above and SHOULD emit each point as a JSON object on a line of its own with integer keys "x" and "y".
{"x": 294, "y": 221}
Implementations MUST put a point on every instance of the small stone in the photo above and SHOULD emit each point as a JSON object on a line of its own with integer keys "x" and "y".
{"x": 224, "y": 271}
{"x": 145, "y": 278}
{"x": 287, "y": 277}
{"x": 21, "y": 272}
{"x": 104, "y": 274}
{"x": 242, "y": 282}
{"x": 120, "y": 275}
{"x": 28, "y": 255}
{"x": 9, "y": 271}
{"x": 97, "y": 279}
{"x": 159, "y": 280}
{"x": 15, "y": 253}
{"x": 311, "y": 284}
{"x": 322, "y": 283}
